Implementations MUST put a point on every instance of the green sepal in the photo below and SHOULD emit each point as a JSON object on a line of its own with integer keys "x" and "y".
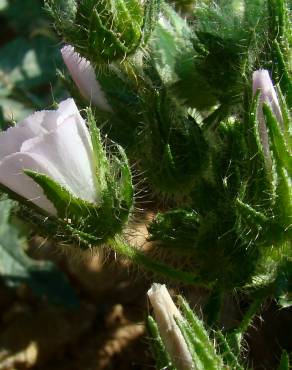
{"x": 235, "y": 336}
{"x": 174, "y": 137}
{"x": 194, "y": 346}
{"x": 57, "y": 229}
{"x": 175, "y": 229}
{"x": 67, "y": 205}
{"x": 247, "y": 211}
{"x": 199, "y": 343}
{"x": 256, "y": 160}
{"x": 282, "y": 169}
{"x": 221, "y": 33}
{"x": 102, "y": 220}
{"x": 251, "y": 129}
{"x": 197, "y": 327}
{"x": 284, "y": 361}
{"x": 284, "y": 72}
{"x": 254, "y": 194}
{"x": 171, "y": 42}
{"x": 114, "y": 30}
{"x": 226, "y": 352}
{"x": 151, "y": 15}
{"x": 279, "y": 21}
{"x": 157, "y": 347}
{"x": 281, "y": 287}
{"x": 286, "y": 125}
{"x": 63, "y": 12}
{"x": 278, "y": 146}
{"x": 123, "y": 179}
{"x": 101, "y": 164}
{"x": 281, "y": 36}
{"x": 107, "y": 30}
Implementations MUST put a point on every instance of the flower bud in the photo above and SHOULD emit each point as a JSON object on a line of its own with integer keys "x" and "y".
{"x": 104, "y": 31}
{"x": 165, "y": 313}
{"x": 53, "y": 162}
{"x": 264, "y": 206}
{"x": 84, "y": 77}
{"x": 261, "y": 81}
{"x": 116, "y": 29}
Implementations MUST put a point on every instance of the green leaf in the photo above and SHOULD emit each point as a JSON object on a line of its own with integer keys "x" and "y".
{"x": 28, "y": 63}
{"x": 27, "y": 68}
{"x": 3, "y": 5}
{"x": 24, "y": 16}
{"x": 44, "y": 278}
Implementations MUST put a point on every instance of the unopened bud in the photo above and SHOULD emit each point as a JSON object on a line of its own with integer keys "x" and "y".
{"x": 165, "y": 313}
{"x": 84, "y": 77}
{"x": 261, "y": 81}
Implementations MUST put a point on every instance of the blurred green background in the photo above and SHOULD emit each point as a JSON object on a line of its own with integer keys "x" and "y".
{"x": 29, "y": 55}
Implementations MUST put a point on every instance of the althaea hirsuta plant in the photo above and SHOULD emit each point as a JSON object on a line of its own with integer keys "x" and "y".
{"x": 201, "y": 107}
{"x": 217, "y": 154}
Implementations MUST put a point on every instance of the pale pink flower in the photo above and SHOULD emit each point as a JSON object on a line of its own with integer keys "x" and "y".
{"x": 84, "y": 77}
{"x": 261, "y": 81}
{"x": 52, "y": 142}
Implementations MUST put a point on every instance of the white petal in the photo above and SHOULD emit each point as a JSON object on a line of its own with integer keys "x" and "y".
{"x": 164, "y": 312}
{"x": 13, "y": 177}
{"x": 261, "y": 81}
{"x": 12, "y": 139}
{"x": 69, "y": 150}
{"x": 66, "y": 109}
{"x": 84, "y": 76}
{"x": 35, "y": 125}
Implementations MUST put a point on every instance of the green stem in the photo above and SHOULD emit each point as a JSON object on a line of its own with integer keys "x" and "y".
{"x": 213, "y": 306}
{"x": 212, "y": 121}
{"x": 235, "y": 338}
{"x": 250, "y": 314}
{"x": 124, "y": 249}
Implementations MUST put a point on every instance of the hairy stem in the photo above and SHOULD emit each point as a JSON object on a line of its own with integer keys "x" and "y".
{"x": 123, "y": 248}
{"x": 235, "y": 338}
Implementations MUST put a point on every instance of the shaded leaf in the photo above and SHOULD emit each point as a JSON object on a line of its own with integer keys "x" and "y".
{"x": 44, "y": 278}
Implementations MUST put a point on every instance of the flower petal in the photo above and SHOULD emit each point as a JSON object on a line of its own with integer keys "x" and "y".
{"x": 35, "y": 125}
{"x": 84, "y": 76}
{"x": 12, "y": 139}
{"x": 261, "y": 81}
{"x": 69, "y": 150}
{"x": 13, "y": 177}
{"x": 54, "y": 118}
